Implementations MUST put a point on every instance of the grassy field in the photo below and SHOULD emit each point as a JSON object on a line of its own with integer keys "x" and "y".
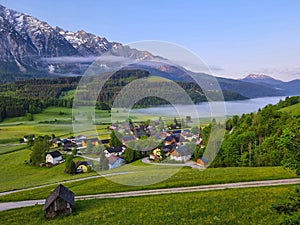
{"x": 294, "y": 109}
{"x": 58, "y": 121}
{"x": 11, "y": 148}
{"x": 12, "y": 178}
{"x": 232, "y": 206}
{"x": 16, "y": 175}
{"x": 53, "y": 120}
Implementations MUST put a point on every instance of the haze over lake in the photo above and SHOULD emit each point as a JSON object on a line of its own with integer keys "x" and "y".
{"x": 204, "y": 109}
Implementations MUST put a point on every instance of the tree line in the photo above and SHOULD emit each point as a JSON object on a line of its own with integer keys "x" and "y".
{"x": 270, "y": 137}
{"x": 32, "y": 96}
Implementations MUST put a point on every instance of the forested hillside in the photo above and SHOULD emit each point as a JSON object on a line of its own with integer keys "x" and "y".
{"x": 32, "y": 96}
{"x": 270, "y": 137}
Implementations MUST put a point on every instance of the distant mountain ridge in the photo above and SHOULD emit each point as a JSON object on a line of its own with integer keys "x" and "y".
{"x": 288, "y": 88}
{"x": 27, "y": 42}
{"x": 31, "y": 48}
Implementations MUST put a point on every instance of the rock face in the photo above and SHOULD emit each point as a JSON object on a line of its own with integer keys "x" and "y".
{"x": 28, "y": 42}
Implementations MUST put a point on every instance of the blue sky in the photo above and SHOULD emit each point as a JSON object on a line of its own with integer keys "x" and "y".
{"x": 234, "y": 37}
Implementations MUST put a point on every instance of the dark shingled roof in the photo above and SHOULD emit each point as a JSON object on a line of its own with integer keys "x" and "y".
{"x": 89, "y": 163}
{"x": 55, "y": 154}
{"x": 116, "y": 149}
{"x": 169, "y": 138}
{"x": 176, "y": 131}
{"x": 128, "y": 138}
{"x": 62, "y": 192}
{"x": 105, "y": 141}
{"x": 183, "y": 150}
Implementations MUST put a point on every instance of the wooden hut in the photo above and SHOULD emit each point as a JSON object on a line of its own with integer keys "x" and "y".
{"x": 59, "y": 202}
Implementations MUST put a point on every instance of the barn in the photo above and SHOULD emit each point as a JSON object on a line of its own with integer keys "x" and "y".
{"x": 59, "y": 202}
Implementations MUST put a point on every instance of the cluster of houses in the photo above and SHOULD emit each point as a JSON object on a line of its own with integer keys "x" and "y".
{"x": 175, "y": 145}
{"x": 131, "y": 132}
{"x": 175, "y": 140}
{"x": 55, "y": 157}
{"x": 113, "y": 154}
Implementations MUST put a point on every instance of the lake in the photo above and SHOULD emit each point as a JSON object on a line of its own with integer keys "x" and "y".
{"x": 213, "y": 109}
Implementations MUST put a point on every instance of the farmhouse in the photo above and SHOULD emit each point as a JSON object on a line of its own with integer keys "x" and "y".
{"x": 59, "y": 202}
{"x": 54, "y": 157}
{"x": 115, "y": 161}
{"x": 181, "y": 154}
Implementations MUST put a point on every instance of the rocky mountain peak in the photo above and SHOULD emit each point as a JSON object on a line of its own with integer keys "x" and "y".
{"x": 258, "y": 77}
{"x": 28, "y": 42}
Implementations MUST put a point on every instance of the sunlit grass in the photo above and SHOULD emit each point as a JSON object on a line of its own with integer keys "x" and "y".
{"x": 294, "y": 109}
{"x": 232, "y": 206}
{"x": 14, "y": 174}
{"x": 138, "y": 176}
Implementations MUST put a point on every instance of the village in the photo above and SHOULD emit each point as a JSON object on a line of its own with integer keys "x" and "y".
{"x": 172, "y": 144}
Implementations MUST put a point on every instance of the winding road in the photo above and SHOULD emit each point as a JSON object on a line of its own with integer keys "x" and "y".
{"x": 13, "y": 205}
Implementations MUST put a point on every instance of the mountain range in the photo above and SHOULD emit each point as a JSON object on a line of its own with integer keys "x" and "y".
{"x": 288, "y": 88}
{"x": 31, "y": 48}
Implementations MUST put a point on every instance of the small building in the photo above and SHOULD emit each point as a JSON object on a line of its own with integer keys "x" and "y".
{"x": 59, "y": 202}
{"x": 202, "y": 162}
{"x": 181, "y": 154}
{"x": 169, "y": 140}
{"x": 127, "y": 139}
{"x": 105, "y": 141}
{"x": 94, "y": 141}
{"x": 117, "y": 150}
{"x": 69, "y": 145}
{"x": 82, "y": 166}
{"x": 168, "y": 148}
{"x": 54, "y": 157}
{"x": 28, "y": 137}
{"x": 115, "y": 161}
{"x": 156, "y": 154}
{"x": 55, "y": 143}
{"x": 139, "y": 132}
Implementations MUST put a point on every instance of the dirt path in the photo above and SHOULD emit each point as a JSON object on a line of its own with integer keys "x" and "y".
{"x": 12, "y": 205}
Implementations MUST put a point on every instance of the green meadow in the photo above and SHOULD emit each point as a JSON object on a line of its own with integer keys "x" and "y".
{"x": 58, "y": 121}
{"x": 293, "y": 109}
{"x": 16, "y": 175}
{"x": 231, "y": 206}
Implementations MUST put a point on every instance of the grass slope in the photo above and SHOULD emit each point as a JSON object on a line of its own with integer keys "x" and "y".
{"x": 11, "y": 178}
{"x": 293, "y": 109}
{"x": 14, "y": 174}
{"x": 11, "y": 148}
{"x": 238, "y": 206}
